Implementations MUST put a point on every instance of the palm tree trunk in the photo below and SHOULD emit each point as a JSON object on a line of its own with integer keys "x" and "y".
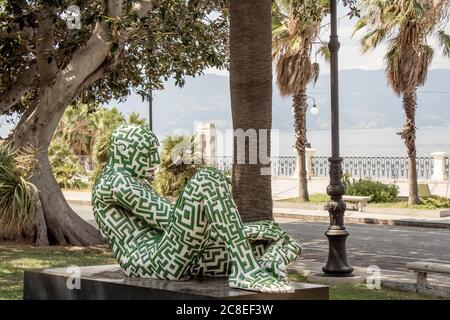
{"x": 251, "y": 104}
{"x": 408, "y": 134}
{"x": 300, "y": 107}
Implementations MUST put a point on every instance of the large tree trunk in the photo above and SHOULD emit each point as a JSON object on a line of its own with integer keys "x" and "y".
{"x": 64, "y": 226}
{"x": 61, "y": 224}
{"x": 300, "y": 106}
{"x": 251, "y": 104}
{"x": 408, "y": 134}
{"x": 55, "y": 222}
{"x": 36, "y": 128}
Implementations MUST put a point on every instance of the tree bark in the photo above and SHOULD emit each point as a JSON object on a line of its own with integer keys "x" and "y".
{"x": 55, "y": 222}
{"x": 408, "y": 134}
{"x": 41, "y": 238}
{"x": 22, "y": 84}
{"x": 251, "y": 104}
{"x": 63, "y": 225}
{"x": 300, "y": 107}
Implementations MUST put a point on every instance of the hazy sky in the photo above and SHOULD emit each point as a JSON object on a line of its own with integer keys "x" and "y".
{"x": 350, "y": 56}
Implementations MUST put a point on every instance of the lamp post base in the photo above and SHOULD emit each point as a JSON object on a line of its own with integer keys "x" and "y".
{"x": 337, "y": 264}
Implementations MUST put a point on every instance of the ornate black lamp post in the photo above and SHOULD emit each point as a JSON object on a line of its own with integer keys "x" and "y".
{"x": 337, "y": 264}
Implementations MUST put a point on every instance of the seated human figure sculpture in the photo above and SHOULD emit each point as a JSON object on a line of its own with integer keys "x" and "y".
{"x": 201, "y": 234}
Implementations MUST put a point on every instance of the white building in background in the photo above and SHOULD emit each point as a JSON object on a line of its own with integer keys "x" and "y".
{"x": 206, "y": 142}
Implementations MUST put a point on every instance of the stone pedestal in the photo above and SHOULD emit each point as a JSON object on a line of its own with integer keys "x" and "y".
{"x": 439, "y": 173}
{"x": 110, "y": 283}
{"x": 310, "y": 153}
{"x": 206, "y": 142}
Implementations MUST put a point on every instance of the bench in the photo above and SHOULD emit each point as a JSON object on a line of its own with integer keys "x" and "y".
{"x": 359, "y": 201}
{"x": 423, "y": 268}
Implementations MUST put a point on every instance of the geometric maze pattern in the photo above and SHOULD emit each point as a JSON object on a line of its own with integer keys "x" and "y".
{"x": 201, "y": 234}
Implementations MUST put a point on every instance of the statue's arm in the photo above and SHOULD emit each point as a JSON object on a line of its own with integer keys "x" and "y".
{"x": 263, "y": 230}
{"x": 139, "y": 198}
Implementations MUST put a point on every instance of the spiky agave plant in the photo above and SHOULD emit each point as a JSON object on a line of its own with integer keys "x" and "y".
{"x": 18, "y": 195}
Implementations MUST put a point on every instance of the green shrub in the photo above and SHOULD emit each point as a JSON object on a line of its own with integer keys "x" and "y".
{"x": 435, "y": 202}
{"x": 378, "y": 191}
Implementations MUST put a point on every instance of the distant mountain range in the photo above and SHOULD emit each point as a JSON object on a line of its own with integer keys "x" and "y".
{"x": 366, "y": 102}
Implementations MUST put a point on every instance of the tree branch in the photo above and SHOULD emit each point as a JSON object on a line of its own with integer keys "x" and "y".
{"x": 142, "y": 7}
{"x": 10, "y": 97}
{"x": 113, "y": 8}
{"x": 44, "y": 46}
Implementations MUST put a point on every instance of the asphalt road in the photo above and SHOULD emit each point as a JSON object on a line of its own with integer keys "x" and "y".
{"x": 389, "y": 247}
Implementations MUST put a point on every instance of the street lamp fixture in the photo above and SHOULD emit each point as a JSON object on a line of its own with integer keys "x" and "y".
{"x": 314, "y": 109}
{"x": 337, "y": 264}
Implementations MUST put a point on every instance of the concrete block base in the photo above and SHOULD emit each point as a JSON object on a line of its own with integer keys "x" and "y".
{"x": 110, "y": 283}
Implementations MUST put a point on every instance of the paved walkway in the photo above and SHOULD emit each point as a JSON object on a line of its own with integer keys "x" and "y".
{"x": 383, "y": 216}
{"x": 287, "y": 187}
{"x": 387, "y": 247}
{"x": 355, "y": 217}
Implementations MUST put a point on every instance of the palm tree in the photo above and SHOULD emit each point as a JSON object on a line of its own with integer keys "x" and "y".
{"x": 77, "y": 130}
{"x": 406, "y": 25}
{"x": 295, "y": 27}
{"x": 251, "y": 103}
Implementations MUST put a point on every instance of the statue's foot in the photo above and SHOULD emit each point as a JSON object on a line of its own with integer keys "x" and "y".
{"x": 259, "y": 281}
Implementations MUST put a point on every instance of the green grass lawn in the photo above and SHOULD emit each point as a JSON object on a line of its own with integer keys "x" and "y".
{"x": 322, "y": 199}
{"x": 361, "y": 292}
{"x": 14, "y": 259}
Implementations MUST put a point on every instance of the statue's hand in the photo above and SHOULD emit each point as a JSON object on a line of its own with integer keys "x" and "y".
{"x": 263, "y": 230}
{"x": 275, "y": 266}
{"x": 279, "y": 255}
{"x": 282, "y": 250}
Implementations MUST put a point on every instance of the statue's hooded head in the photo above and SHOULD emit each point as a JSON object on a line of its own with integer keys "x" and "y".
{"x": 134, "y": 149}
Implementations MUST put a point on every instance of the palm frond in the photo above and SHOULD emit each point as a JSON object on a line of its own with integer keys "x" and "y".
{"x": 293, "y": 34}
{"x": 18, "y": 196}
{"x": 406, "y": 25}
{"x": 315, "y": 72}
{"x": 372, "y": 39}
{"x": 444, "y": 42}
{"x": 324, "y": 52}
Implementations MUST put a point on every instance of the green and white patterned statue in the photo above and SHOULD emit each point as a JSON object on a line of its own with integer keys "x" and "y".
{"x": 201, "y": 234}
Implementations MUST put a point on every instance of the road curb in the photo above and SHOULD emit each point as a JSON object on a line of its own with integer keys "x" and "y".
{"x": 353, "y": 220}
{"x": 79, "y": 202}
